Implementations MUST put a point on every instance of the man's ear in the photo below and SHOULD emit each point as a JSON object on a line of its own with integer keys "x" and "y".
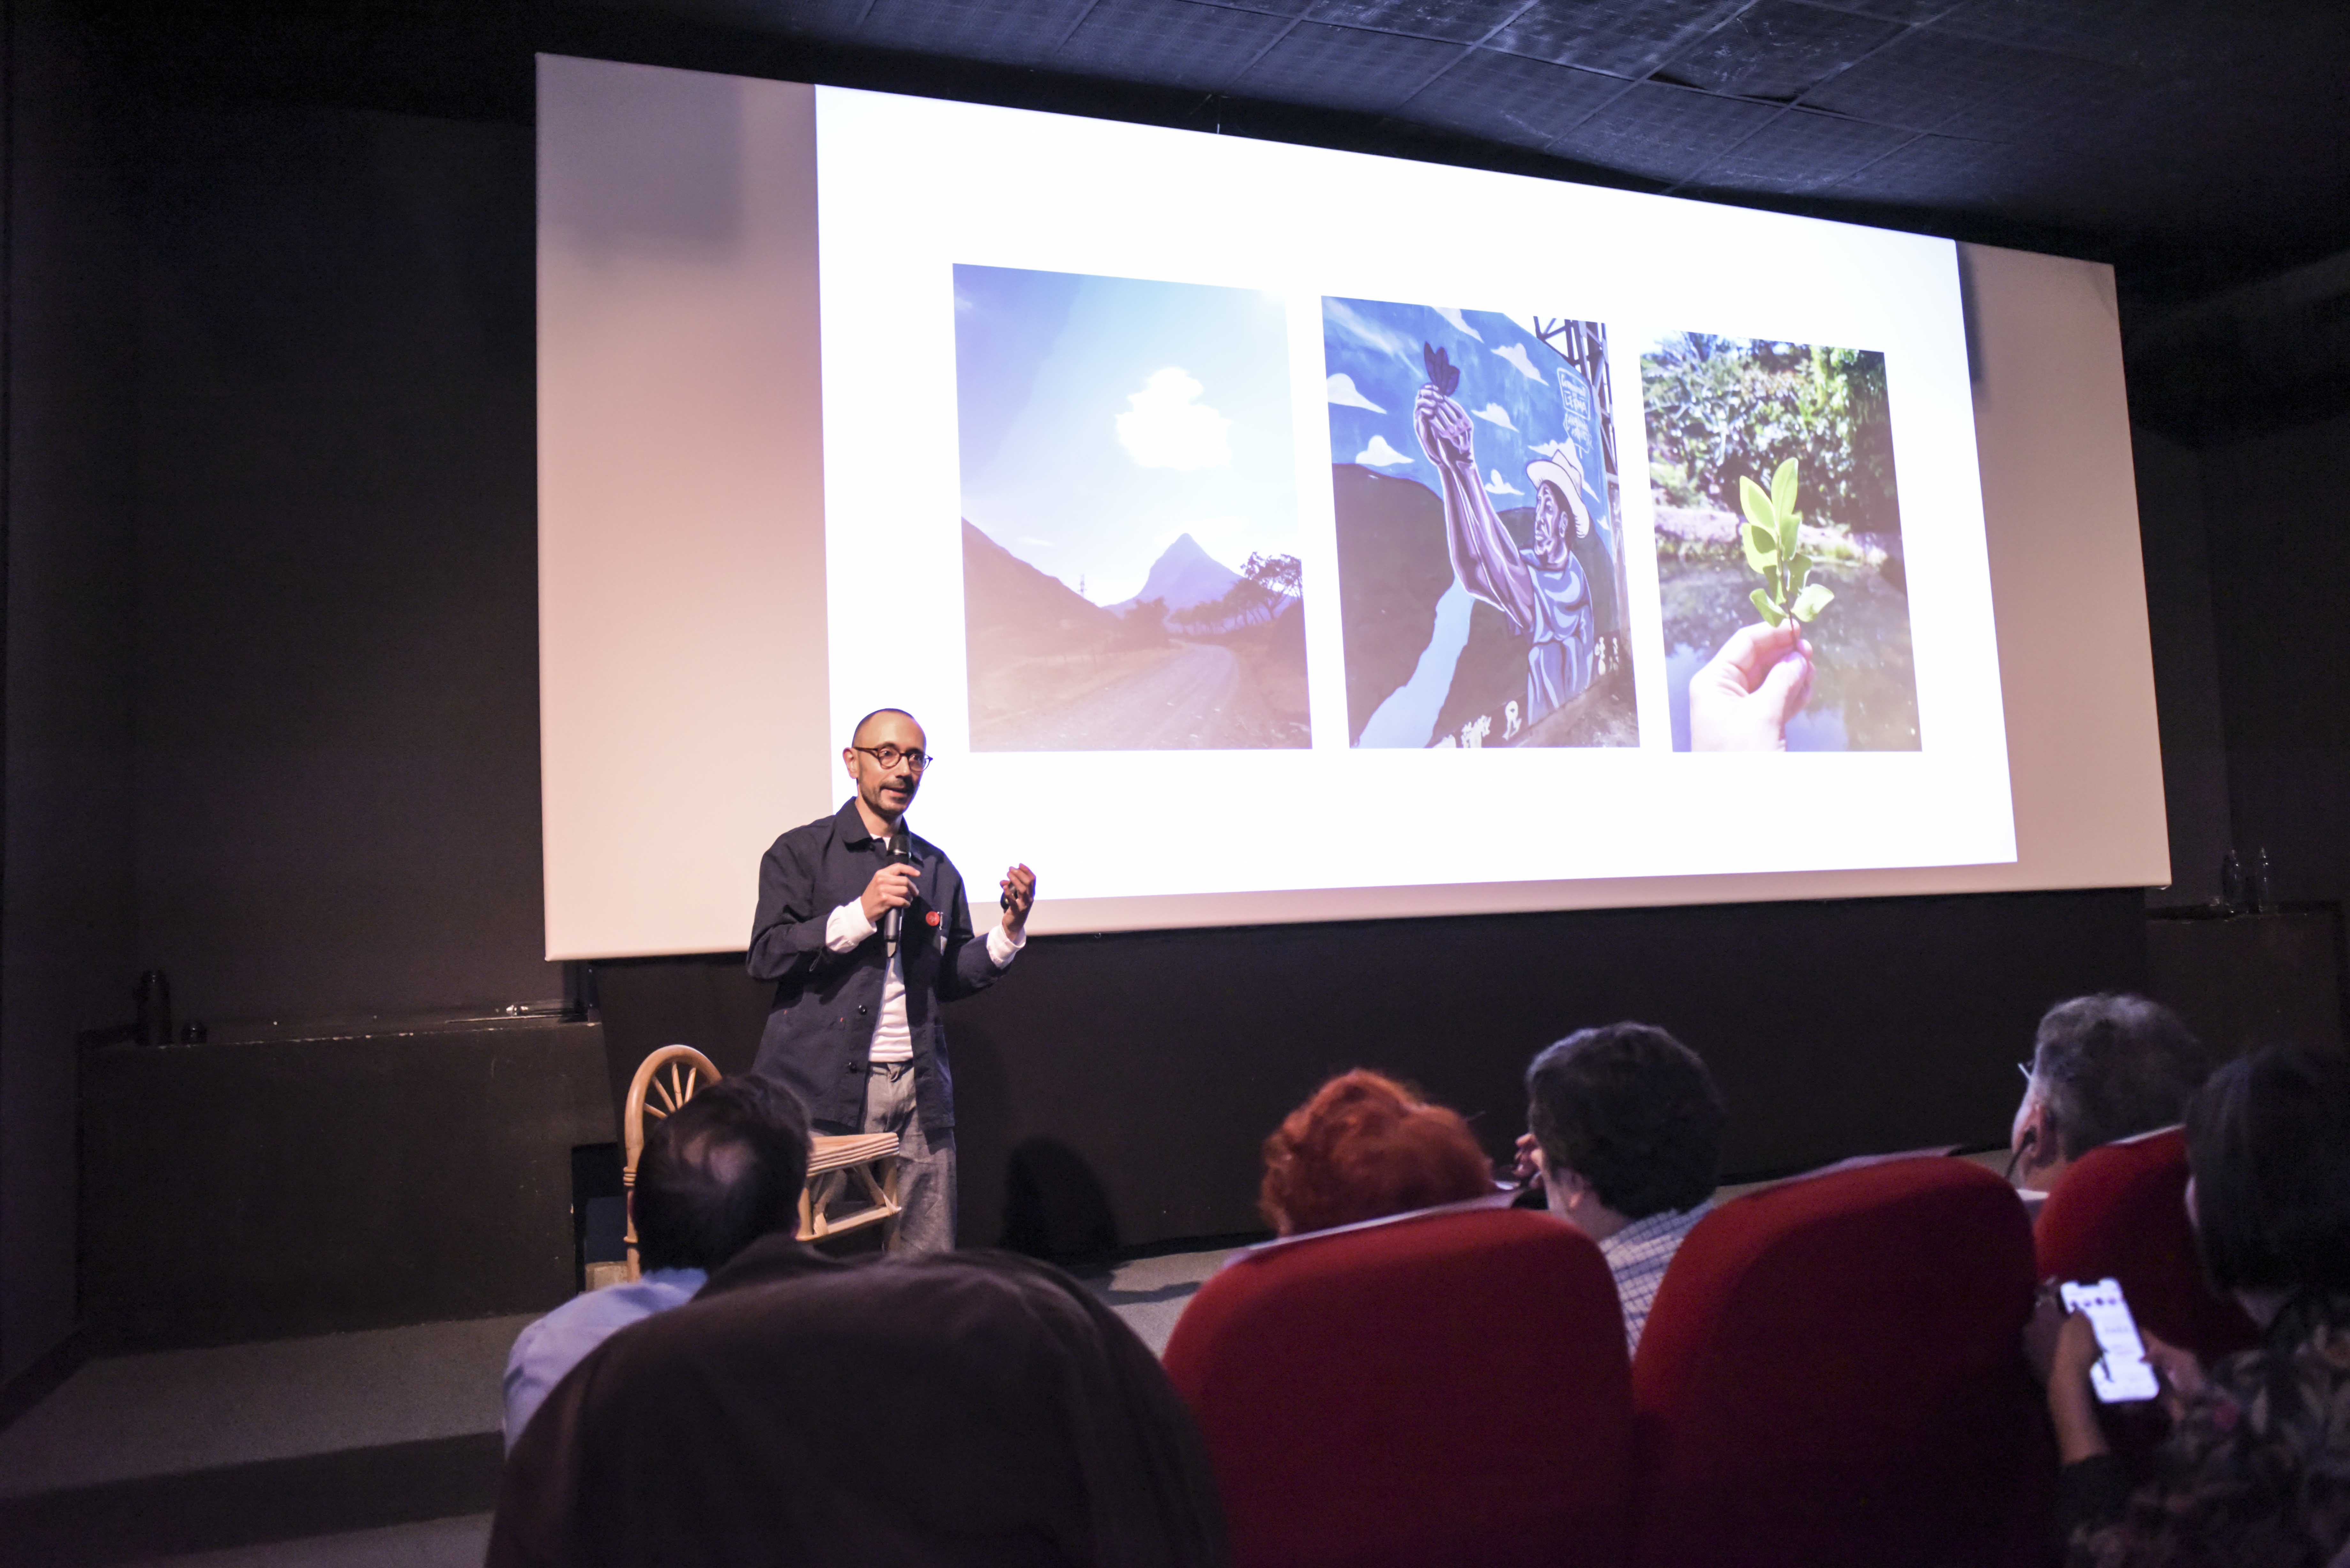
{"x": 2036, "y": 1148}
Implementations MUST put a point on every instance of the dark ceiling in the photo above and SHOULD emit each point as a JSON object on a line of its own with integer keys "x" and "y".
{"x": 2199, "y": 145}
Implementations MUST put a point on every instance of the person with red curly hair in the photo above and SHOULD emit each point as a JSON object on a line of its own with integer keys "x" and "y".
{"x": 1365, "y": 1146}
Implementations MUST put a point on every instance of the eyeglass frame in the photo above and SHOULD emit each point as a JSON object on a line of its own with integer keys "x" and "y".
{"x": 922, "y": 760}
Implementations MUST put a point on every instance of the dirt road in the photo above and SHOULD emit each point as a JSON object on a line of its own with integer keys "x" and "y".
{"x": 1201, "y": 698}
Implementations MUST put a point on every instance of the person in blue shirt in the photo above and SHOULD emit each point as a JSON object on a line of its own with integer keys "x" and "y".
{"x": 724, "y": 1170}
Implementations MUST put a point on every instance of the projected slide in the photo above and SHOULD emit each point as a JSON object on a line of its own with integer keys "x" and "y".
{"x": 1480, "y": 542}
{"x": 1771, "y": 465}
{"x": 1265, "y": 532}
{"x": 1129, "y": 515}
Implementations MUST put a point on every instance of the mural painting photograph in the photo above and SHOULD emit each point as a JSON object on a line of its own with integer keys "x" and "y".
{"x": 1778, "y": 518}
{"x": 1480, "y": 528}
{"x": 1129, "y": 514}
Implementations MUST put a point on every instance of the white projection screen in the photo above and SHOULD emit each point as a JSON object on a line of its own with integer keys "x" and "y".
{"x": 1209, "y": 500}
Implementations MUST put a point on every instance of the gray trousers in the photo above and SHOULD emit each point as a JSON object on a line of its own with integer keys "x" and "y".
{"x": 926, "y": 1164}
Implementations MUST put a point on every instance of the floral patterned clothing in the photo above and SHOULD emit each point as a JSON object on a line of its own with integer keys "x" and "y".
{"x": 2256, "y": 1470}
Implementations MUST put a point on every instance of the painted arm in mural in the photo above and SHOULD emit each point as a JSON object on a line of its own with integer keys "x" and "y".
{"x": 1484, "y": 557}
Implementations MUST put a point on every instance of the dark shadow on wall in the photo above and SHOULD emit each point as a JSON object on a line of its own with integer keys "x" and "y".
{"x": 1054, "y": 1206}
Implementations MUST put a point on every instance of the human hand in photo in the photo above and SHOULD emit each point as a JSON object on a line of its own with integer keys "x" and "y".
{"x": 1018, "y": 891}
{"x": 892, "y": 887}
{"x": 1444, "y": 431}
{"x": 1742, "y": 699}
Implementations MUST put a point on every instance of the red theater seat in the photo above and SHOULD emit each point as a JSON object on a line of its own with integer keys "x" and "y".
{"x": 1833, "y": 1374}
{"x": 2121, "y": 1211}
{"x": 1446, "y": 1387}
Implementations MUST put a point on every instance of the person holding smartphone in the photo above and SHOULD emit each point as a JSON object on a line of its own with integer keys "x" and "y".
{"x": 2256, "y": 1467}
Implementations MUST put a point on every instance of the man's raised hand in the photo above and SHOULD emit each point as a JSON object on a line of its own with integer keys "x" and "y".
{"x": 1019, "y": 892}
{"x": 892, "y": 887}
{"x": 1443, "y": 428}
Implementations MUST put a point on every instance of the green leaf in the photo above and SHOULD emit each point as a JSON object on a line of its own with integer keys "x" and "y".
{"x": 1813, "y": 600}
{"x": 1756, "y": 504}
{"x": 1777, "y": 583}
{"x": 1761, "y": 550}
{"x": 1769, "y": 612}
{"x": 1799, "y": 570}
{"x": 1789, "y": 522}
{"x": 1782, "y": 488}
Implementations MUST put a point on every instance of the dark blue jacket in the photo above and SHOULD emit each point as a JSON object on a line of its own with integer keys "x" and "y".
{"x": 820, "y": 1026}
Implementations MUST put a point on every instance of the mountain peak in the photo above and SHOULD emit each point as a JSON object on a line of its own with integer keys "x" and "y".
{"x": 1185, "y": 576}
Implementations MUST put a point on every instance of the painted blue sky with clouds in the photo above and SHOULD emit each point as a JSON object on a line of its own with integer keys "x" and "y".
{"x": 1508, "y": 383}
{"x": 1099, "y": 417}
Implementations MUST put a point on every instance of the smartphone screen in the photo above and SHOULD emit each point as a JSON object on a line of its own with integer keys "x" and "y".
{"x": 2122, "y": 1374}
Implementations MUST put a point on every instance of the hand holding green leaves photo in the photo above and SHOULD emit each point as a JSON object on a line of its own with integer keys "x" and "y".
{"x": 1774, "y": 460}
{"x": 1774, "y": 549}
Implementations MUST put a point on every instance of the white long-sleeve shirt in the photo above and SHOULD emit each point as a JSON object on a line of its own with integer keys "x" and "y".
{"x": 892, "y": 1041}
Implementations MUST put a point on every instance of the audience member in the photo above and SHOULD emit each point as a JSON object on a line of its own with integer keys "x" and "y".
{"x": 722, "y": 1170}
{"x": 2103, "y": 1068}
{"x": 2256, "y": 1468}
{"x": 1627, "y": 1137}
{"x": 1362, "y": 1146}
{"x": 963, "y": 1408}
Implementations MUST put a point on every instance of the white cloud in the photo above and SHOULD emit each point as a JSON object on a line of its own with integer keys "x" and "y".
{"x": 1453, "y": 318}
{"x": 1497, "y": 485}
{"x": 1166, "y": 425}
{"x": 1341, "y": 390}
{"x": 1379, "y": 454}
{"x": 1494, "y": 414}
{"x": 1031, "y": 539}
{"x": 1515, "y": 353}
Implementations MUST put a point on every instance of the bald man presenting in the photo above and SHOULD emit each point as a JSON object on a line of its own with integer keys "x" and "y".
{"x": 865, "y": 930}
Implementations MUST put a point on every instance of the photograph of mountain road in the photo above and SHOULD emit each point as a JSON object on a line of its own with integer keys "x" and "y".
{"x": 1130, "y": 581}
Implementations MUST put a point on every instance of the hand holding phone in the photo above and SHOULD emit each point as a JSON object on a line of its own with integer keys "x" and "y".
{"x": 2122, "y": 1374}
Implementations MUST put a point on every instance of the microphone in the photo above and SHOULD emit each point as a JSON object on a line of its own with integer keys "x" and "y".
{"x": 894, "y": 920}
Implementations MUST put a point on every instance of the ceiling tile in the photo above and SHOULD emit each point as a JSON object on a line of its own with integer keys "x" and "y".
{"x": 1928, "y": 79}
{"x": 1778, "y": 49}
{"x": 1179, "y": 43}
{"x": 1893, "y": 10}
{"x": 1455, "y": 21}
{"x": 1668, "y": 133}
{"x": 1510, "y": 99}
{"x": 1802, "y": 151}
{"x": 1019, "y": 32}
{"x": 2138, "y": 33}
{"x": 1939, "y": 171}
{"x": 1623, "y": 38}
{"x": 1345, "y": 67}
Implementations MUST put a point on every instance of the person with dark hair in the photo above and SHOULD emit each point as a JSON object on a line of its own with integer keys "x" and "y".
{"x": 2256, "y": 1468}
{"x": 1627, "y": 1137}
{"x": 864, "y": 928}
{"x": 722, "y": 1170}
{"x": 1362, "y": 1146}
{"x": 957, "y": 1409}
{"x": 2103, "y": 1068}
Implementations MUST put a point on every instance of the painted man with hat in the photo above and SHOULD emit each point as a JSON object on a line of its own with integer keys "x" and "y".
{"x": 1542, "y": 589}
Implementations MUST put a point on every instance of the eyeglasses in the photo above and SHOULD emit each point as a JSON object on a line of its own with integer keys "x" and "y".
{"x": 890, "y": 756}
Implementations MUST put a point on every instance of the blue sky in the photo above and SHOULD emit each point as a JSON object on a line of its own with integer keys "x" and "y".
{"x": 1508, "y": 383}
{"x": 1101, "y": 417}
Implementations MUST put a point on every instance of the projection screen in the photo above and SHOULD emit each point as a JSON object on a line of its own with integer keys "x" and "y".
{"x": 1264, "y": 533}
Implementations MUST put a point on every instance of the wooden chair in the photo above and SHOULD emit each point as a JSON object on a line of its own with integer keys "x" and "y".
{"x": 664, "y": 1081}
{"x": 669, "y": 1076}
{"x": 870, "y": 1160}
